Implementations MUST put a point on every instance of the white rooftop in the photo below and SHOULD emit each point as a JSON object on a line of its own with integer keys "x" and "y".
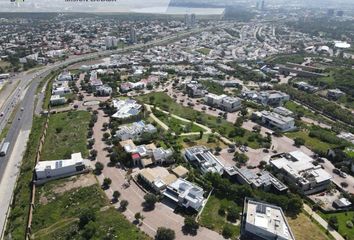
{"x": 126, "y": 108}
{"x": 268, "y": 217}
{"x": 76, "y": 158}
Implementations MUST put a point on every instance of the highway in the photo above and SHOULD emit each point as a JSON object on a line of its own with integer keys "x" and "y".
{"x": 25, "y": 95}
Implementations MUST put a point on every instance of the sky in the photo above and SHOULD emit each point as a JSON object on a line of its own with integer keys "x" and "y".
{"x": 142, "y": 5}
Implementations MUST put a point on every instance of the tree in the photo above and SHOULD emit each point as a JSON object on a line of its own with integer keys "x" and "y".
{"x": 106, "y": 135}
{"x": 201, "y": 134}
{"x": 116, "y": 194}
{"x": 89, "y": 230}
{"x": 86, "y": 216}
{"x": 165, "y": 234}
{"x": 137, "y": 216}
{"x": 93, "y": 153}
{"x": 240, "y": 158}
{"x": 227, "y": 231}
{"x": 150, "y": 200}
{"x": 123, "y": 205}
{"x": 232, "y": 214}
{"x": 244, "y": 111}
{"x": 107, "y": 182}
{"x": 295, "y": 205}
{"x": 98, "y": 168}
{"x": 190, "y": 225}
{"x": 333, "y": 222}
{"x": 299, "y": 141}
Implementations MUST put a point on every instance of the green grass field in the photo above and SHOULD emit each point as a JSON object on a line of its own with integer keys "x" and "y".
{"x": 211, "y": 219}
{"x": 66, "y": 134}
{"x": 58, "y": 218}
{"x": 343, "y": 217}
{"x": 219, "y": 125}
{"x": 18, "y": 217}
{"x": 311, "y": 143}
{"x": 177, "y": 125}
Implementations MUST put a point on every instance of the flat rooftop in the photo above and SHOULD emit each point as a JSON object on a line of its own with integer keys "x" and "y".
{"x": 268, "y": 217}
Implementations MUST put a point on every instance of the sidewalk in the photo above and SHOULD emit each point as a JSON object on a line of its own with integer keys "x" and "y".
{"x": 322, "y": 222}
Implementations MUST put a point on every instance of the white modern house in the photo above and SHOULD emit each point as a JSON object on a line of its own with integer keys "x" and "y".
{"x": 204, "y": 159}
{"x": 297, "y": 169}
{"x": 65, "y": 76}
{"x": 135, "y": 130}
{"x": 53, "y": 169}
{"x": 104, "y": 90}
{"x": 275, "y": 120}
{"x": 57, "y": 100}
{"x": 263, "y": 221}
{"x": 226, "y": 103}
{"x": 126, "y": 108}
{"x": 185, "y": 194}
{"x": 267, "y": 98}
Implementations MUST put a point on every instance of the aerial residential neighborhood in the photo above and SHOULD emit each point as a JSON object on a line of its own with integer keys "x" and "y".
{"x": 190, "y": 119}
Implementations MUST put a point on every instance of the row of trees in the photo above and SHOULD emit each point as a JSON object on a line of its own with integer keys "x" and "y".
{"x": 324, "y": 106}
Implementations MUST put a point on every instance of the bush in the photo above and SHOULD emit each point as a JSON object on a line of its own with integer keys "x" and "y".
{"x": 333, "y": 222}
{"x": 123, "y": 205}
{"x": 232, "y": 214}
{"x": 299, "y": 141}
{"x": 165, "y": 234}
{"x": 98, "y": 168}
{"x": 116, "y": 194}
{"x": 85, "y": 217}
{"x": 227, "y": 231}
{"x": 107, "y": 182}
{"x": 190, "y": 225}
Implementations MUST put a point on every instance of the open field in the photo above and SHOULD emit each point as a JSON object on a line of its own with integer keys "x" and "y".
{"x": 204, "y": 51}
{"x": 217, "y": 124}
{"x": 211, "y": 219}
{"x": 311, "y": 143}
{"x": 343, "y": 217}
{"x": 302, "y": 228}
{"x": 58, "y": 218}
{"x": 66, "y": 134}
{"x": 18, "y": 217}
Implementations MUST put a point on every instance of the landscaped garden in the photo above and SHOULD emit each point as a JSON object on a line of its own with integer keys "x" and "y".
{"x": 217, "y": 124}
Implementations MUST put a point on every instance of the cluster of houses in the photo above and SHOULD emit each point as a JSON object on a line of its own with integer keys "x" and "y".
{"x": 61, "y": 88}
{"x": 149, "y": 159}
{"x": 142, "y": 84}
{"x": 295, "y": 168}
{"x": 97, "y": 85}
